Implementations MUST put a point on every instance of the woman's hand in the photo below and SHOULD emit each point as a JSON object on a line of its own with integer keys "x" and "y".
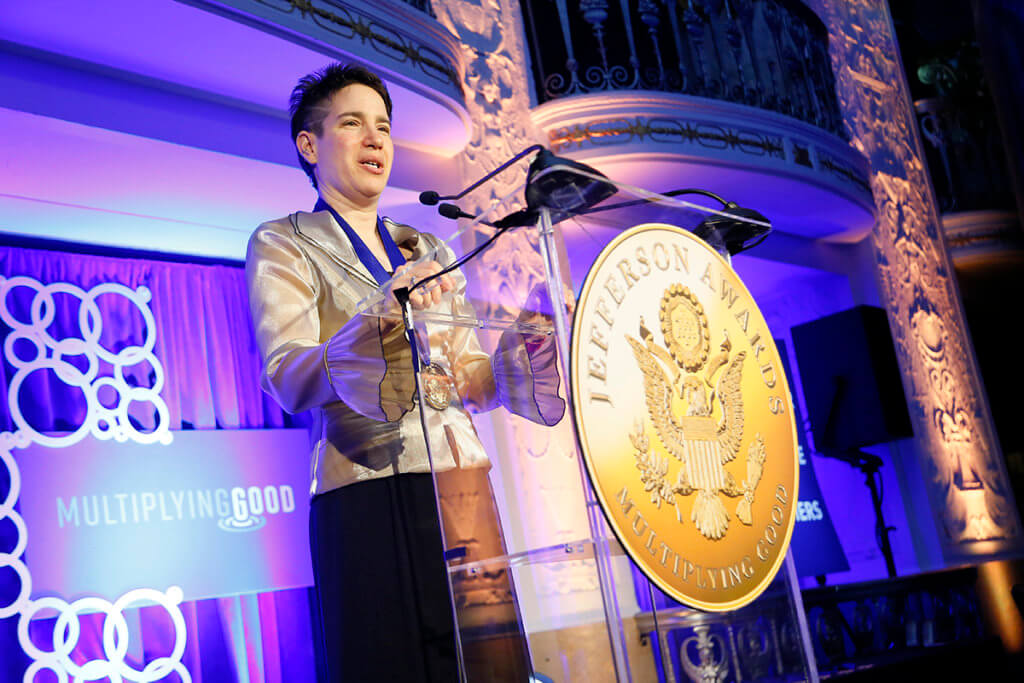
{"x": 429, "y": 294}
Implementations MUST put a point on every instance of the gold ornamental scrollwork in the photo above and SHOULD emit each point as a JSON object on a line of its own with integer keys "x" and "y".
{"x": 685, "y": 426}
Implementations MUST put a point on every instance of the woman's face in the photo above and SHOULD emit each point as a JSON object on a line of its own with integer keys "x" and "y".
{"x": 354, "y": 153}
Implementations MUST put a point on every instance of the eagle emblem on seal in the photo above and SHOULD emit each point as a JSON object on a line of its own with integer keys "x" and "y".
{"x": 695, "y": 404}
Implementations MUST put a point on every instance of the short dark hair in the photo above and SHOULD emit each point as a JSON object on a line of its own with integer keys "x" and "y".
{"x": 311, "y": 99}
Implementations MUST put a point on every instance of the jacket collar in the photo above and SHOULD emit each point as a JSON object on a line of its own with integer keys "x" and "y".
{"x": 321, "y": 230}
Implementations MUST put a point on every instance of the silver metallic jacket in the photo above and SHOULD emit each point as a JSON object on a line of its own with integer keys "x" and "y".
{"x": 354, "y": 372}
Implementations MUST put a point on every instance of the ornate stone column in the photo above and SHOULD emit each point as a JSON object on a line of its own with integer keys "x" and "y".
{"x": 967, "y": 482}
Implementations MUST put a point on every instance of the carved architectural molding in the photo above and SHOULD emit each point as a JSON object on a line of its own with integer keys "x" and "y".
{"x": 589, "y": 126}
{"x": 397, "y": 36}
{"x": 968, "y": 486}
{"x": 977, "y": 235}
{"x": 496, "y": 85}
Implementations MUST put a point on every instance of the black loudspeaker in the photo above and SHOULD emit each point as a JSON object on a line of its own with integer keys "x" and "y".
{"x": 851, "y": 379}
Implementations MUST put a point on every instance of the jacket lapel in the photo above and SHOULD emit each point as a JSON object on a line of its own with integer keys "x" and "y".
{"x": 321, "y": 231}
{"x": 406, "y": 237}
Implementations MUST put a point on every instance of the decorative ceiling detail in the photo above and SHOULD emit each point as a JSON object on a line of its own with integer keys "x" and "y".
{"x": 620, "y": 131}
{"x": 349, "y": 23}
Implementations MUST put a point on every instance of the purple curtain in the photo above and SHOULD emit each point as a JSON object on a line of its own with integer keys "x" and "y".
{"x": 211, "y": 381}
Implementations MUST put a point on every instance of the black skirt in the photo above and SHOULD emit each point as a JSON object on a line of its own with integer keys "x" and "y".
{"x": 383, "y": 609}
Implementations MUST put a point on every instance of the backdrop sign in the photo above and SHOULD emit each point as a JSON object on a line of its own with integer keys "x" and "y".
{"x": 816, "y": 547}
{"x": 217, "y": 512}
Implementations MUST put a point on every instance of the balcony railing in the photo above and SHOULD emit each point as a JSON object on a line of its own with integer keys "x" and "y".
{"x": 771, "y": 54}
{"x": 854, "y": 628}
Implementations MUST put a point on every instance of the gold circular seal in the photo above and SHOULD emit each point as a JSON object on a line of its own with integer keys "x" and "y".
{"x": 685, "y": 327}
{"x": 687, "y": 435}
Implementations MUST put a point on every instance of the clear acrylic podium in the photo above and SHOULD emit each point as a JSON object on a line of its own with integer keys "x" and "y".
{"x": 541, "y": 589}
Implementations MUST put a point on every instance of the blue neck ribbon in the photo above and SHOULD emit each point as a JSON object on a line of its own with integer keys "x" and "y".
{"x": 363, "y": 252}
{"x": 367, "y": 258}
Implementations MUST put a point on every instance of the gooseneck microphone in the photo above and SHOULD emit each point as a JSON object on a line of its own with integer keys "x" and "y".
{"x": 431, "y": 197}
{"x": 453, "y": 212}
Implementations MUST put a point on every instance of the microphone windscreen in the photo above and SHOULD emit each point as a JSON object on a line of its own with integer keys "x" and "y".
{"x": 429, "y": 198}
{"x": 450, "y": 211}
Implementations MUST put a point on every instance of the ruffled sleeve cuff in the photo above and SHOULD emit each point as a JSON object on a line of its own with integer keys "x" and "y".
{"x": 526, "y": 377}
{"x": 369, "y": 364}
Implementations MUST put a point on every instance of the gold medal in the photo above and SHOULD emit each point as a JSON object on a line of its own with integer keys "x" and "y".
{"x": 684, "y": 417}
{"x": 437, "y": 386}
